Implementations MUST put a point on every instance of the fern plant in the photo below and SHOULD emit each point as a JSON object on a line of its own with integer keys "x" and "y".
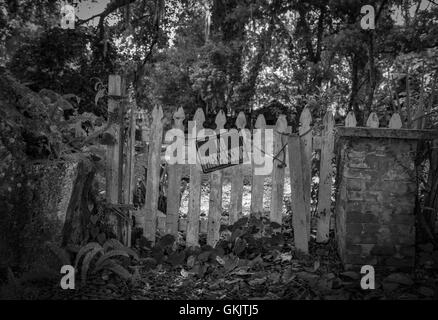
{"x": 103, "y": 258}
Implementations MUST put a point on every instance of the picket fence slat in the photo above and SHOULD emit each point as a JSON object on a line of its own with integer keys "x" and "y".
{"x": 299, "y": 214}
{"x": 203, "y": 225}
{"x": 305, "y": 132}
{"x": 112, "y": 185}
{"x": 112, "y": 152}
{"x": 129, "y": 176}
{"x": 237, "y": 180}
{"x": 215, "y": 205}
{"x": 373, "y": 120}
{"x": 121, "y": 144}
{"x": 278, "y": 170}
{"x": 325, "y": 179}
{"x": 300, "y": 151}
{"x": 257, "y": 187}
{"x": 192, "y": 237}
{"x": 130, "y": 172}
{"x": 395, "y": 121}
{"x": 174, "y": 173}
{"x": 300, "y": 157}
{"x": 350, "y": 120}
{"x": 153, "y": 175}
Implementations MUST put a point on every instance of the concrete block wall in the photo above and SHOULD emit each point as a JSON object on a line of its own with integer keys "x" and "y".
{"x": 375, "y": 221}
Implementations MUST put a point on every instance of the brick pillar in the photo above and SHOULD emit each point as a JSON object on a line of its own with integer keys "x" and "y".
{"x": 375, "y": 222}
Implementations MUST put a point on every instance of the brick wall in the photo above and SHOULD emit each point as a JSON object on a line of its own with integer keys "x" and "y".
{"x": 375, "y": 222}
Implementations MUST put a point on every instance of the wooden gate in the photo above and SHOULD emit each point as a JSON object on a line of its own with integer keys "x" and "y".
{"x": 293, "y": 152}
{"x": 298, "y": 148}
{"x": 301, "y": 148}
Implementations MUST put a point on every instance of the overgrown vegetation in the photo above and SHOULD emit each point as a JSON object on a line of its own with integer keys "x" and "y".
{"x": 258, "y": 56}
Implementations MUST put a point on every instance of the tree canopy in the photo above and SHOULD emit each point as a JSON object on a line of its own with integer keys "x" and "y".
{"x": 231, "y": 55}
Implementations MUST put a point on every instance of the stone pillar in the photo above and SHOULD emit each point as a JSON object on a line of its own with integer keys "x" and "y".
{"x": 375, "y": 221}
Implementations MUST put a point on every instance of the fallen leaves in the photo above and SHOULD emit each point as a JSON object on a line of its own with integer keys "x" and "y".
{"x": 427, "y": 292}
{"x": 399, "y": 278}
{"x": 350, "y": 275}
{"x": 247, "y": 264}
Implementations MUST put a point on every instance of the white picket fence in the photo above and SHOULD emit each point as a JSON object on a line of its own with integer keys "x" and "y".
{"x": 299, "y": 147}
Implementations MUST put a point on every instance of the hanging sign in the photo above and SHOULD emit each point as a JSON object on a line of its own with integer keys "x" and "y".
{"x": 223, "y": 154}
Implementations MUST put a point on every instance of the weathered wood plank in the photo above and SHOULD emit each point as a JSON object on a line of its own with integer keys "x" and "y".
{"x": 395, "y": 121}
{"x": 350, "y": 120}
{"x": 114, "y": 85}
{"x": 130, "y": 170}
{"x": 237, "y": 180}
{"x": 130, "y": 162}
{"x": 192, "y": 238}
{"x": 257, "y": 188}
{"x": 215, "y": 207}
{"x": 278, "y": 169}
{"x": 121, "y": 124}
{"x": 305, "y": 132}
{"x": 112, "y": 165}
{"x": 174, "y": 180}
{"x": 387, "y": 133}
{"x": 112, "y": 151}
{"x": 153, "y": 175}
{"x": 203, "y": 225}
{"x": 299, "y": 216}
{"x": 373, "y": 120}
{"x": 325, "y": 179}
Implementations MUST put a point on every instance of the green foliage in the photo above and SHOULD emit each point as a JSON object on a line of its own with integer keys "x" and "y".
{"x": 104, "y": 258}
{"x": 315, "y": 53}
{"x": 62, "y": 61}
{"x": 44, "y": 270}
{"x": 246, "y": 240}
{"x": 42, "y": 136}
{"x": 92, "y": 259}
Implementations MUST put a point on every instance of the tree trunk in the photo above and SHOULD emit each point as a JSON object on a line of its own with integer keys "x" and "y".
{"x": 248, "y": 87}
{"x": 353, "y": 104}
{"x": 372, "y": 75}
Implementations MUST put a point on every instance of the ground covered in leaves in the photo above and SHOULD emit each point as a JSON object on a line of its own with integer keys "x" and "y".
{"x": 254, "y": 259}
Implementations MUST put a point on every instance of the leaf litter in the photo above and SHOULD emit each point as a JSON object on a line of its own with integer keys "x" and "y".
{"x": 254, "y": 260}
